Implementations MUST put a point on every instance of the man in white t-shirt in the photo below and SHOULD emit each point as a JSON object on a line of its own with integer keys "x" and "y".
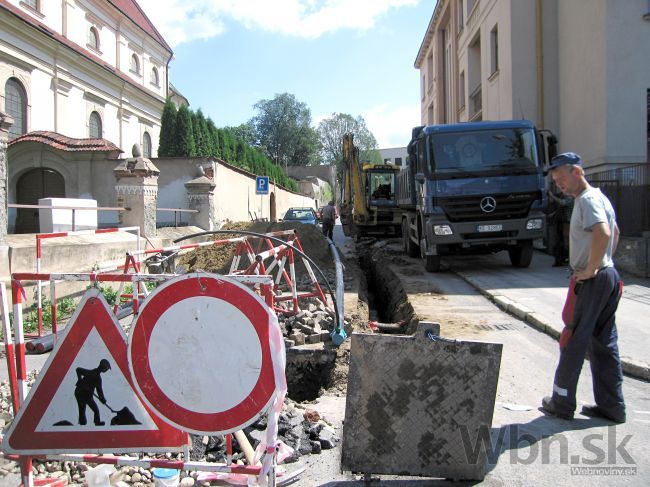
{"x": 593, "y": 239}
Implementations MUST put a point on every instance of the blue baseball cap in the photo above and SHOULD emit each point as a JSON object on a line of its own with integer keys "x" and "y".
{"x": 565, "y": 158}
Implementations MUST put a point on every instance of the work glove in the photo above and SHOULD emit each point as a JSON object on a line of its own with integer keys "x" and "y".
{"x": 565, "y": 336}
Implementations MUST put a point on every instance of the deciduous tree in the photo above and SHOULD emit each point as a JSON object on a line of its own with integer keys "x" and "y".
{"x": 283, "y": 130}
{"x": 331, "y": 131}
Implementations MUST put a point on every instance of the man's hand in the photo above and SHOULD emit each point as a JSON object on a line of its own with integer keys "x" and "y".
{"x": 585, "y": 274}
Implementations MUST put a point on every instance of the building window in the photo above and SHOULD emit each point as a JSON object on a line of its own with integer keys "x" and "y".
{"x": 135, "y": 64}
{"x": 430, "y": 70}
{"x": 461, "y": 15}
{"x": 461, "y": 90}
{"x": 33, "y": 4}
{"x": 494, "y": 50}
{"x": 422, "y": 85}
{"x": 146, "y": 145}
{"x": 155, "y": 79}
{"x": 398, "y": 161}
{"x": 93, "y": 39}
{"x": 16, "y": 107}
{"x": 95, "y": 126}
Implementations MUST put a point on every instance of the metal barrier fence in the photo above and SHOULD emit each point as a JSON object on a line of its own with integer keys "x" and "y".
{"x": 628, "y": 188}
{"x": 178, "y": 217}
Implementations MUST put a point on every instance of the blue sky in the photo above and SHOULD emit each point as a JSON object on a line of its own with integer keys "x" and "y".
{"x": 350, "y": 56}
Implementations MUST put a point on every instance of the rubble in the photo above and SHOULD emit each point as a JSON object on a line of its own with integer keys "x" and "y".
{"x": 299, "y": 427}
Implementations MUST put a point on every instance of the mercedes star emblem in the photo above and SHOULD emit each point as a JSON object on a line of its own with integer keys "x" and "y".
{"x": 488, "y": 204}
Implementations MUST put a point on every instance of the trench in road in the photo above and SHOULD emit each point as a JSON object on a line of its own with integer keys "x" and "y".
{"x": 311, "y": 370}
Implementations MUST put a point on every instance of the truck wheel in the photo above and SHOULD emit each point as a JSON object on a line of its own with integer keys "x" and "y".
{"x": 522, "y": 254}
{"x": 410, "y": 248}
{"x": 432, "y": 263}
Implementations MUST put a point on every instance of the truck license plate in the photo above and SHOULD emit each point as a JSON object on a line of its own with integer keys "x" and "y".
{"x": 489, "y": 228}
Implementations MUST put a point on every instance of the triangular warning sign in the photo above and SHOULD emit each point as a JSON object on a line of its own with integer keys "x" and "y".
{"x": 84, "y": 400}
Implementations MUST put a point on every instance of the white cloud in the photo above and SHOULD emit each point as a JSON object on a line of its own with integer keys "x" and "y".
{"x": 181, "y": 21}
{"x": 392, "y": 126}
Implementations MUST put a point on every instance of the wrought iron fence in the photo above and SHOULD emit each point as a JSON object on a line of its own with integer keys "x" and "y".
{"x": 628, "y": 188}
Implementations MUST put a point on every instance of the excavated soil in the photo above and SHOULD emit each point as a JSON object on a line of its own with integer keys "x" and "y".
{"x": 218, "y": 258}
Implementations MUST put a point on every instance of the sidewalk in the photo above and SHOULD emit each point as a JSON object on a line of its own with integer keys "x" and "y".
{"x": 536, "y": 295}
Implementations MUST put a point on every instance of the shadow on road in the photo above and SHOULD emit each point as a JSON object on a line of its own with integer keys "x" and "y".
{"x": 519, "y": 436}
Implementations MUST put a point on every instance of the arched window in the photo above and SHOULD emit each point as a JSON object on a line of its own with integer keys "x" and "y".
{"x": 135, "y": 64}
{"x": 95, "y": 126}
{"x": 155, "y": 80}
{"x": 93, "y": 38}
{"x": 146, "y": 145}
{"x": 16, "y": 107}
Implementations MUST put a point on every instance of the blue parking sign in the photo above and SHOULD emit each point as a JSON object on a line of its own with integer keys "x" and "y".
{"x": 262, "y": 185}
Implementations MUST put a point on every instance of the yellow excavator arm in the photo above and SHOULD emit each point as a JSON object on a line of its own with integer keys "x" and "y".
{"x": 353, "y": 207}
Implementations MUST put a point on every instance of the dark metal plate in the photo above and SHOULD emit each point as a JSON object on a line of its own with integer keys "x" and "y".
{"x": 418, "y": 407}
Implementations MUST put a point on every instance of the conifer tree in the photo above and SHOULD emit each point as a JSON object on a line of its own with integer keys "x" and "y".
{"x": 185, "y": 145}
{"x": 201, "y": 135}
{"x": 213, "y": 139}
{"x": 166, "y": 143}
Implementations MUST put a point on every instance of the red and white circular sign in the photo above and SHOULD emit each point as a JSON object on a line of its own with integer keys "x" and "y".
{"x": 199, "y": 353}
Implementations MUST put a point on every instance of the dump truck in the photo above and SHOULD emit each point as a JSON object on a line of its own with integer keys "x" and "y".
{"x": 368, "y": 197}
{"x": 474, "y": 188}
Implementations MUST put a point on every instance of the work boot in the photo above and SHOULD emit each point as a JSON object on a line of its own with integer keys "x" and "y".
{"x": 99, "y": 423}
{"x": 597, "y": 412}
{"x": 550, "y": 409}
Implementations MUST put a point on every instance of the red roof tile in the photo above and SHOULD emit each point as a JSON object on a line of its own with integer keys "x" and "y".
{"x": 132, "y": 10}
{"x": 68, "y": 144}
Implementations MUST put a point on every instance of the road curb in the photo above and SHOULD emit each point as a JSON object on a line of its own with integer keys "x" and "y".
{"x": 631, "y": 368}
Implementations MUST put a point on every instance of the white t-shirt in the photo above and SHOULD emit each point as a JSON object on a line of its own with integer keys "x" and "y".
{"x": 590, "y": 207}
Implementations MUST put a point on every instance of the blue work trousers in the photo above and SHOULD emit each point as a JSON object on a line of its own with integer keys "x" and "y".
{"x": 594, "y": 330}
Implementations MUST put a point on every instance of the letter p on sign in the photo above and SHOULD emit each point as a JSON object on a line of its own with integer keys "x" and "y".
{"x": 262, "y": 185}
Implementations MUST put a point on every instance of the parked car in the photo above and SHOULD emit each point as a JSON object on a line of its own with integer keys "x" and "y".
{"x": 302, "y": 215}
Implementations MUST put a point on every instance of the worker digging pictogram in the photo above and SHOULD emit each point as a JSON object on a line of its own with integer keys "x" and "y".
{"x": 89, "y": 366}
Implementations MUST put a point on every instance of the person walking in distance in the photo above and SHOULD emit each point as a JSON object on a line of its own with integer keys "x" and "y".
{"x": 329, "y": 218}
{"x": 89, "y": 381}
{"x": 593, "y": 239}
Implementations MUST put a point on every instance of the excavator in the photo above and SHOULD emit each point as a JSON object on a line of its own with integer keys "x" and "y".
{"x": 368, "y": 199}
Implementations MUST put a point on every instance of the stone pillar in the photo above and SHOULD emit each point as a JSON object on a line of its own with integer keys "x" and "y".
{"x": 5, "y": 122}
{"x": 137, "y": 188}
{"x": 200, "y": 193}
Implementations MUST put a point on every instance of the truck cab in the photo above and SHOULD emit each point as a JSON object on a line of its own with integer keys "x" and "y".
{"x": 474, "y": 188}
